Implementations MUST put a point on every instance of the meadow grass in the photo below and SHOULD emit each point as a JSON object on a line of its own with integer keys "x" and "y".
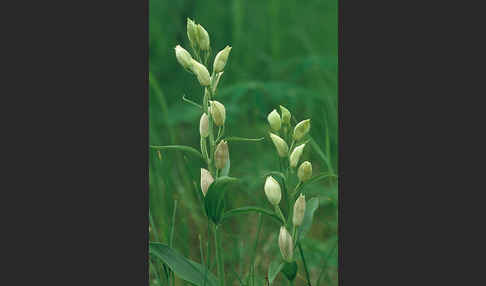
{"x": 284, "y": 52}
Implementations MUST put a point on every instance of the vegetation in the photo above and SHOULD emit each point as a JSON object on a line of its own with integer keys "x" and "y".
{"x": 229, "y": 203}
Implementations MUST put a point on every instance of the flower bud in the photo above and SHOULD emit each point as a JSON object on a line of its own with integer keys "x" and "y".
{"x": 274, "y": 120}
{"x": 183, "y": 57}
{"x": 272, "y": 191}
{"x": 221, "y": 59}
{"x": 301, "y": 129}
{"x": 280, "y": 144}
{"x": 285, "y": 115}
{"x": 305, "y": 171}
{"x": 286, "y": 244}
{"x": 221, "y": 155}
{"x": 295, "y": 156}
{"x": 299, "y": 210}
{"x": 218, "y": 112}
{"x": 202, "y": 38}
{"x": 201, "y": 72}
{"x": 206, "y": 180}
{"x": 204, "y": 125}
{"x": 192, "y": 32}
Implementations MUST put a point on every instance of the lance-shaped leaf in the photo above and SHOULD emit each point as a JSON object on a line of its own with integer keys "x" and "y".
{"x": 182, "y": 148}
{"x": 275, "y": 267}
{"x": 184, "y": 268}
{"x": 226, "y": 169}
{"x": 310, "y": 208}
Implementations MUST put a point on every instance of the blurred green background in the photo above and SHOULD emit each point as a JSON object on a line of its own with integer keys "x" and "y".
{"x": 284, "y": 52}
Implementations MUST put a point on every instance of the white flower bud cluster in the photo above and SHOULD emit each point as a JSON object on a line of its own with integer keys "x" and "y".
{"x": 214, "y": 112}
{"x": 282, "y": 135}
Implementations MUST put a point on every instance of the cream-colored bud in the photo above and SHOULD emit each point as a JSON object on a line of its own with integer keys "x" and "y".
{"x": 218, "y": 112}
{"x": 305, "y": 171}
{"x": 221, "y": 155}
{"x": 286, "y": 244}
{"x": 183, "y": 57}
{"x": 295, "y": 155}
{"x": 301, "y": 129}
{"x": 272, "y": 191}
{"x": 221, "y": 59}
{"x": 192, "y": 32}
{"x": 202, "y": 38}
{"x": 285, "y": 115}
{"x": 206, "y": 180}
{"x": 204, "y": 125}
{"x": 201, "y": 72}
{"x": 274, "y": 120}
{"x": 280, "y": 144}
{"x": 299, "y": 210}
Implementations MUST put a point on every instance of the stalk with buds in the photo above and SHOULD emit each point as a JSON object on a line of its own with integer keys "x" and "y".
{"x": 214, "y": 147}
{"x": 283, "y": 135}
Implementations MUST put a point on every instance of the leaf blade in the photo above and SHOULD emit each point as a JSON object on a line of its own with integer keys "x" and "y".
{"x": 310, "y": 207}
{"x": 273, "y": 269}
{"x": 182, "y": 148}
{"x": 185, "y": 268}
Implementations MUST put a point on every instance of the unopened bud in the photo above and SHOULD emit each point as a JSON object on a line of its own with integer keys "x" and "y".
{"x": 301, "y": 129}
{"x": 192, "y": 32}
{"x": 218, "y": 112}
{"x": 272, "y": 191}
{"x": 221, "y": 155}
{"x": 286, "y": 244}
{"x": 305, "y": 171}
{"x": 206, "y": 180}
{"x": 274, "y": 120}
{"x": 202, "y": 38}
{"x": 221, "y": 59}
{"x": 295, "y": 156}
{"x": 285, "y": 115}
{"x": 280, "y": 144}
{"x": 183, "y": 57}
{"x": 204, "y": 125}
{"x": 299, "y": 210}
{"x": 201, "y": 72}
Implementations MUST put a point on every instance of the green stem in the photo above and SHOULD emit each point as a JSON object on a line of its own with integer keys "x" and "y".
{"x": 207, "y": 96}
{"x": 280, "y": 214}
{"x": 219, "y": 255}
{"x": 305, "y": 264}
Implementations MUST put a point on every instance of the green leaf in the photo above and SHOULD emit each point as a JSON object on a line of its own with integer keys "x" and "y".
{"x": 310, "y": 208}
{"x": 273, "y": 269}
{"x": 226, "y": 169}
{"x": 243, "y": 210}
{"x": 320, "y": 177}
{"x": 243, "y": 139}
{"x": 290, "y": 270}
{"x": 187, "y": 149}
{"x": 185, "y": 269}
{"x": 214, "y": 199}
